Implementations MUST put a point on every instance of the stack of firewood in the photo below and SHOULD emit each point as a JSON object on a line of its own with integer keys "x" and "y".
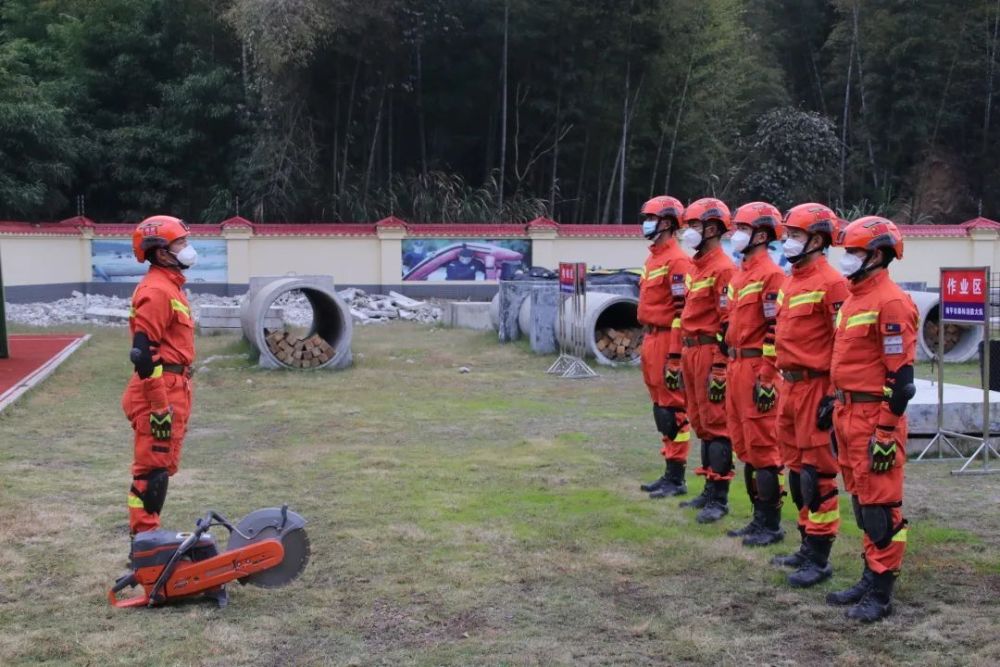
{"x": 298, "y": 352}
{"x": 619, "y": 344}
{"x": 952, "y": 334}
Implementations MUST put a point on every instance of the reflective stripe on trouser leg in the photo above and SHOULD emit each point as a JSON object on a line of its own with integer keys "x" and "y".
{"x": 139, "y": 520}
{"x": 890, "y": 558}
{"x": 677, "y": 448}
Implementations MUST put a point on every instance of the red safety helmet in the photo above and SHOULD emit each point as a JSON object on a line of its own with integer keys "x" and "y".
{"x": 814, "y": 219}
{"x": 709, "y": 208}
{"x": 870, "y": 233}
{"x": 158, "y": 231}
{"x": 664, "y": 206}
{"x": 759, "y": 215}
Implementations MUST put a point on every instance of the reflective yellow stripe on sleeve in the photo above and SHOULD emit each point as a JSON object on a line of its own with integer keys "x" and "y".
{"x": 781, "y": 297}
{"x": 656, "y": 273}
{"x": 175, "y": 304}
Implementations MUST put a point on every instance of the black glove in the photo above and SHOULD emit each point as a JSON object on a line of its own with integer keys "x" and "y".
{"x": 765, "y": 396}
{"x": 672, "y": 376}
{"x": 882, "y": 451}
{"x": 161, "y": 423}
{"x": 824, "y": 413}
{"x": 717, "y": 385}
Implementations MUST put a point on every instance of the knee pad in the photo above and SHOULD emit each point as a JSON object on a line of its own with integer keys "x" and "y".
{"x": 858, "y": 516}
{"x": 748, "y": 480}
{"x": 768, "y": 490}
{"x": 720, "y": 456}
{"x": 795, "y": 488}
{"x": 666, "y": 421}
{"x": 878, "y": 524}
{"x": 156, "y": 490}
{"x": 809, "y": 483}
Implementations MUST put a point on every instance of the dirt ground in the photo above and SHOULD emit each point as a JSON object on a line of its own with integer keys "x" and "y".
{"x": 487, "y": 518}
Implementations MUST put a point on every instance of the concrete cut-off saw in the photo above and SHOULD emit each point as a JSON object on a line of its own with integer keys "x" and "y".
{"x": 268, "y": 548}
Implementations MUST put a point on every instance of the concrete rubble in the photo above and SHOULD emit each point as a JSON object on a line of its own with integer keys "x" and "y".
{"x": 113, "y": 311}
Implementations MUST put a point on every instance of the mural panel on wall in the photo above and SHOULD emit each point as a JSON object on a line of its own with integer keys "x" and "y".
{"x": 464, "y": 259}
{"x": 112, "y": 261}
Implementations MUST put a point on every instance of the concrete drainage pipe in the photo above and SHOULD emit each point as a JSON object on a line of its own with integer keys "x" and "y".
{"x": 331, "y": 320}
{"x": 961, "y": 341}
{"x": 607, "y": 311}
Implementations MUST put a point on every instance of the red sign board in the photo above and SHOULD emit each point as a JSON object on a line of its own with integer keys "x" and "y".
{"x": 963, "y": 294}
{"x": 572, "y": 277}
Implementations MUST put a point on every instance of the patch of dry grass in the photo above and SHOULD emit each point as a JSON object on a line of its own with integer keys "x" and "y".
{"x": 484, "y": 518}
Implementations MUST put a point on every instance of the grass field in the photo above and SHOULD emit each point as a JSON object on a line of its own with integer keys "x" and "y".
{"x": 489, "y": 518}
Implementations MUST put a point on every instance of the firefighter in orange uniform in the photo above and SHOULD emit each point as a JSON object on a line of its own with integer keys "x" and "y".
{"x": 873, "y": 353}
{"x": 157, "y": 400}
{"x": 661, "y": 299}
{"x": 750, "y": 378}
{"x": 808, "y": 303}
{"x": 703, "y": 356}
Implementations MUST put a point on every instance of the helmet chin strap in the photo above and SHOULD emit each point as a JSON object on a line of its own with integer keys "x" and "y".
{"x": 704, "y": 239}
{"x": 865, "y": 268}
{"x": 798, "y": 258}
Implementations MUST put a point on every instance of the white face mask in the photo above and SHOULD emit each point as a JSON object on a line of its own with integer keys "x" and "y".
{"x": 793, "y": 248}
{"x": 739, "y": 240}
{"x": 649, "y": 228}
{"x": 691, "y": 237}
{"x": 187, "y": 257}
{"x": 850, "y": 264}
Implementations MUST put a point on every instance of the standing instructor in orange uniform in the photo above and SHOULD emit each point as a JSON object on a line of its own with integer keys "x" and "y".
{"x": 157, "y": 400}
{"x": 661, "y": 299}
{"x": 703, "y": 359}
{"x": 873, "y": 353}
{"x": 751, "y": 393}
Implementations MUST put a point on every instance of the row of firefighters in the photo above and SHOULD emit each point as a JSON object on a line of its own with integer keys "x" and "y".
{"x": 806, "y": 375}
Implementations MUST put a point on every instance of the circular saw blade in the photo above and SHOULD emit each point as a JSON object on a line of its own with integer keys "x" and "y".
{"x": 296, "y": 545}
{"x": 279, "y": 524}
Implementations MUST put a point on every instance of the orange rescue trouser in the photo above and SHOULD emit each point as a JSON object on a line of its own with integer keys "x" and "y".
{"x": 150, "y": 454}
{"x": 855, "y": 424}
{"x": 750, "y": 430}
{"x": 803, "y": 444}
{"x": 655, "y": 347}
{"x": 707, "y": 418}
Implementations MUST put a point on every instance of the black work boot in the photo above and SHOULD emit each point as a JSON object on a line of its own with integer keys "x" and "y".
{"x": 793, "y": 560}
{"x": 877, "y": 602}
{"x": 717, "y": 505}
{"x": 770, "y": 531}
{"x": 653, "y": 486}
{"x": 701, "y": 499}
{"x": 853, "y": 594}
{"x": 674, "y": 485}
{"x": 817, "y": 567}
{"x": 755, "y": 523}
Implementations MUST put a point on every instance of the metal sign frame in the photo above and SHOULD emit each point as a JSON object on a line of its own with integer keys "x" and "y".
{"x": 952, "y": 311}
{"x": 572, "y": 336}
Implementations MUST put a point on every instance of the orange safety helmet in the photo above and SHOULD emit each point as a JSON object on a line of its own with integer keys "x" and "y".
{"x": 872, "y": 232}
{"x": 814, "y": 219}
{"x": 664, "y": 206}
{"x": 759, "y": 215}
{"x": 709, "y": 208}
{"x": 158, "y": 231}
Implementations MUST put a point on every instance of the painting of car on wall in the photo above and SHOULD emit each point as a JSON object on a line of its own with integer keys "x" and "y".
{"x": 437, "y": 259}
